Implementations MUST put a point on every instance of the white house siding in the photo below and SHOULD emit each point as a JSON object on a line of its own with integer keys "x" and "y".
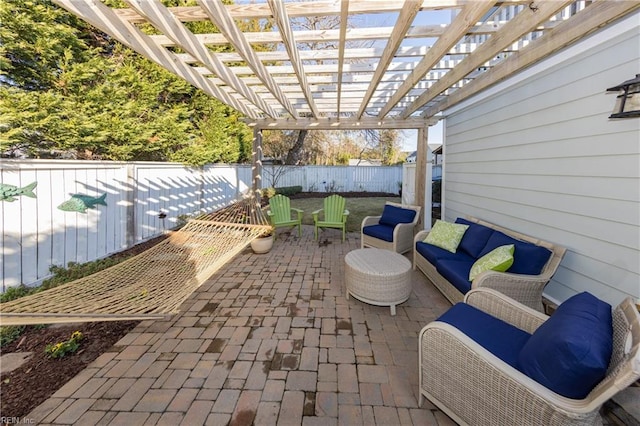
{"x": 539, "y": 155}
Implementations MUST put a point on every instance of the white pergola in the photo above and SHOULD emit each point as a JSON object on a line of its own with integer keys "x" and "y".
{"x": 353, "y": 75}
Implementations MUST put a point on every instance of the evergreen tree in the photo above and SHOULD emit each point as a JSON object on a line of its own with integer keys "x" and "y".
{"x": 66, "y": 89}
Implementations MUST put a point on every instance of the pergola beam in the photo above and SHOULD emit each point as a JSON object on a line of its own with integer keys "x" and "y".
{"x": 218, "y": 14}
{"x": 524, "y": 22}
{"x": 310, "y": 36}
{"x": 330, "y": 54}
{"x": 344, "y": 18}
{"x": 341, "y": 124}
{"x": 297, "y": 10}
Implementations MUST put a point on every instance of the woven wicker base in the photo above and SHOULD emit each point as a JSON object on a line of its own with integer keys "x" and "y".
{"x": 378, "y": 277}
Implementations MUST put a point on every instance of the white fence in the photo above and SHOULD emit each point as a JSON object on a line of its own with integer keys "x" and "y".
{"x": 37, "y": 234}
{"x": 336, "y": 178}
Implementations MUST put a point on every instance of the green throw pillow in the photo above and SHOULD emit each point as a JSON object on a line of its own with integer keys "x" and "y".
{"x": 499, "y": 259}
{"x": 446, "y": 235}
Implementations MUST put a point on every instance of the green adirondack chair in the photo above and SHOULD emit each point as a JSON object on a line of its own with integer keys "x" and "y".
{"x": 335, "y": 215}
{"x": 282, "y": 214}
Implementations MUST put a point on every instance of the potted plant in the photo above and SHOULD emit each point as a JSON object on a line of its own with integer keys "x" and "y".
{"x": 263, "y": 243}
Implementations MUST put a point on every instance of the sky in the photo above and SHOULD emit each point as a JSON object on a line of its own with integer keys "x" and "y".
{"x": 410, "y": 137}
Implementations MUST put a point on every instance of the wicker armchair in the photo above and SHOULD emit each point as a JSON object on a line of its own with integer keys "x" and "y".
{"x": 402, "y": 234}
{"x": 473, "y": 386}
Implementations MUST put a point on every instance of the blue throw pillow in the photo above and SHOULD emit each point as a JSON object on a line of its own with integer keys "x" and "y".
{"x": 476, "y": 237}
{"x": 570, "y": 352}
{"x": 393, "y": 215}
{"x": 528, "y": 258}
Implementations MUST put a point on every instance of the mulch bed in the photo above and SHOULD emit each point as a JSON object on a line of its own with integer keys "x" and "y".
{"x": 28, "y": 386}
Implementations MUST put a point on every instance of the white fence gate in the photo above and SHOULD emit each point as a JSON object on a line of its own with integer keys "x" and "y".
{"x": 143, "y": 200}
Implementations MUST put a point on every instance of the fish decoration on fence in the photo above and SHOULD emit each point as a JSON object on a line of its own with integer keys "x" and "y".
{"x": 80, "y": 203}
{"x": 11, "y": 192}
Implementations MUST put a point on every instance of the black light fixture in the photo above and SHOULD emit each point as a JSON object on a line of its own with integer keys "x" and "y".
{"x": 628, "y": 101}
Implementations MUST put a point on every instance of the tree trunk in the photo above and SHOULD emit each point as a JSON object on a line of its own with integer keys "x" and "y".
{"x": 294, "y": 156}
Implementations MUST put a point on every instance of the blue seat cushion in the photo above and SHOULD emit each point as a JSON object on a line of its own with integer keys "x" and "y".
{"x": 456, "y": 272}
{"x": 528, "y": 259}
{"x": 475, "y": 238}
{"x": 498, "y": 337}
{"x": 381, "y": 232}
{"x": 570, "y": 352}
{"x": 434, "y": 253}
{"x": 393, "y": 215}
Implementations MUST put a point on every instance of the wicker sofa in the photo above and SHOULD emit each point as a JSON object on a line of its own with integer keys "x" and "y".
{"x": 475, "y": 383}
{"x": 535, "y": 263}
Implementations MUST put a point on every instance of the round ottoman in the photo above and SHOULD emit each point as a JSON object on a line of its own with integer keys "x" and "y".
{"x": 379, "y": 277}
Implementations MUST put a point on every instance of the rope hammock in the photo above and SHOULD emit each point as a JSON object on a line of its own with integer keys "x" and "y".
{"x": 151, "y": 284}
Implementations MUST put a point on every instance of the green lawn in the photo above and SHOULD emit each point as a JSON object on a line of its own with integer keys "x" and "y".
{"x": 358, "y": 209}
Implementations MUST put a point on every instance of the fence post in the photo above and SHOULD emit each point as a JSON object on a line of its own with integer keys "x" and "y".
{"x": 130, "y": 203}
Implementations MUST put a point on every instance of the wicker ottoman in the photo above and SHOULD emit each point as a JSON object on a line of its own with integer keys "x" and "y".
{"x": 379, "y": 277}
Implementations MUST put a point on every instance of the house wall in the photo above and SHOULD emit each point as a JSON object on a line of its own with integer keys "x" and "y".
{"x": 539, "y": 155}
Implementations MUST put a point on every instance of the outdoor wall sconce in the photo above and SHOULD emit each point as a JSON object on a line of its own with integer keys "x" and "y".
{"x": 628, "y": 101}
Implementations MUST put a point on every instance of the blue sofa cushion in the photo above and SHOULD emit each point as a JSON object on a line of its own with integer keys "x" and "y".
{"x": 476, "y": 237}
{"x": 381, "y": 232}
{"x": 456, "y": 272}
{"x": 498, "y": 337}
{"x": 570, "y": 352}
{"x": 528, "y": 259}
{"x": 393, "y": 215}
{"x": 434, "y": 253}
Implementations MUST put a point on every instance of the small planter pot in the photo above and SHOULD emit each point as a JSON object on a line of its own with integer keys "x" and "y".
{"x": 262, "y": 245}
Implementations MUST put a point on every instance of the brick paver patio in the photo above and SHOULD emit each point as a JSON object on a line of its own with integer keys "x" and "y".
{"x": 269, "y": 339}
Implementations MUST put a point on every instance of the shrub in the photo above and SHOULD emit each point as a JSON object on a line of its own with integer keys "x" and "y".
{"x": 13, "y": 293}
{"x": 288, "y": 190}
{"x": 76, "y": 271}
{"x": 10, "y": 333}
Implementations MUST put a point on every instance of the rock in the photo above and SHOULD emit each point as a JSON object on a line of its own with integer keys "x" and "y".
{"x": 13, "y": 360}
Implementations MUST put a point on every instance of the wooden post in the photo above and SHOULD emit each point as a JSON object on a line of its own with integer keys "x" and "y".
{"x": 423, "y": 179}
{"x": 256, "y": 163}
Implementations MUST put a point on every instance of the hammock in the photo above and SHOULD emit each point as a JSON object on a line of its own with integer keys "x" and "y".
{"x": 151, "y": 284}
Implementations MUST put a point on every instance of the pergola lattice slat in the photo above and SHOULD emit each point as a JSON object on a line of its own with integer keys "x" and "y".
{"x": 393, "y": 79}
